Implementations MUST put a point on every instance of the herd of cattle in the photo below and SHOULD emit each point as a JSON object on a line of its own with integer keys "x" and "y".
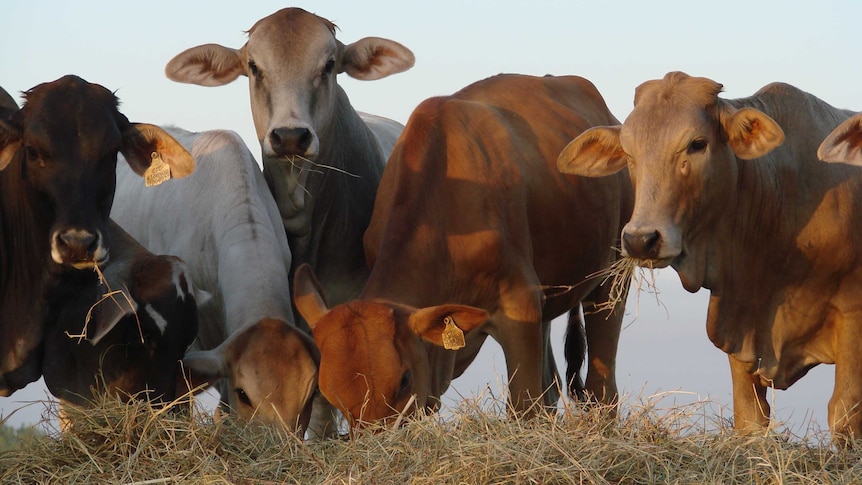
{"x": 406, "y": 246}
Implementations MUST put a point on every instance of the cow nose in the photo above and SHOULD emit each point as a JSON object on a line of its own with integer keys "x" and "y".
{"x": 642, "y": 245}
{"x": 290, "y": 141}
{"x": 79, "y": 241}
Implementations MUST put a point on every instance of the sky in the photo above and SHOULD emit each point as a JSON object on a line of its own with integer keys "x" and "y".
{"x": 665, "y": 358}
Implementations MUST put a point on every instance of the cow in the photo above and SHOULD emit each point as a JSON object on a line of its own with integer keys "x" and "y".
{"x": 223, "y": 221}
{"x": 844, "y": 144}
{"x": 730, "y": 194}
{"x": 322, "y": 160}
{"x": 138, "y": 316}
{"x": 475, "y": 233}
{"x": 57, "y": 180}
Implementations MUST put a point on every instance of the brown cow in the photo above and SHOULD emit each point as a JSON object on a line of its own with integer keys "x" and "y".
{"x": 471, "y": 224}
{"x": 57, "y": 177}
{"x": 730, "y": 194}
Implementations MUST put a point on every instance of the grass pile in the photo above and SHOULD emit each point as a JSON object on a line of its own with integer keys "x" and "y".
{"x": 116, "y": 442}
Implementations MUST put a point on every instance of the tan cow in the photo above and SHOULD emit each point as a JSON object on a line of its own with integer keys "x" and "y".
{"x": 472, "y": 223}
{"x": 844, "y": 144}
{"x": 729, "y": 193}
{"x": 322, "y": 160}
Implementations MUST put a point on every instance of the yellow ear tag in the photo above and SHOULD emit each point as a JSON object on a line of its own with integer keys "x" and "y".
{"x": 453, "y": 337}
{"x": 158, "y": 172}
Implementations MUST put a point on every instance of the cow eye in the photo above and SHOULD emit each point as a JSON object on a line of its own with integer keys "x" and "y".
{"x": 243, "y": 397}
{"x": 406, "y": 383}
{"x": 697, "y": 146}
{"x": 255, "y": 71}
{"x": 328, "y": 68}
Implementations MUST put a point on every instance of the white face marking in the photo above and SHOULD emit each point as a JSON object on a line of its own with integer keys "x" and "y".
{"x": 179, "y": 270}
{"x": 157, "y": 318}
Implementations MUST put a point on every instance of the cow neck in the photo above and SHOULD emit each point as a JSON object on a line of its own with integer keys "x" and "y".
{"x": 24, "y": 234}
{"x": 777, "y": 197}
{"x": 341, "y": 204}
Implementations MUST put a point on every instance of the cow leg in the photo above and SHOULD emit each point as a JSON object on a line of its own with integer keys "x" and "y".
{"x": 602, "y": 328}
{"x": 845, "y": 405}
{"x": 519, "y": 332}
{"x": 750, "y": 407}
{"x": 576, "y": 352}
{"x": 550, "y": 376}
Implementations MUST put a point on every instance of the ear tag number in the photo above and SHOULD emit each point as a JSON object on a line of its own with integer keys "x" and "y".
{"x": 453, "y": 337}
{"x": 158, "y": 172}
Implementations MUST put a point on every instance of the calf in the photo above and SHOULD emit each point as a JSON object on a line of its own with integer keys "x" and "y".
{"x": 223, "y": 221}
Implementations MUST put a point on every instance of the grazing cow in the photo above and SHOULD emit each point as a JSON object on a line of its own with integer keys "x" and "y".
{"x": 844, "y": 144}
{"x": 322, "y": 160}
{"x": 729, "y": 193}
{"x": 232, "y": 239}
{"x": 57, "y": 177}
{"x": 473, "y": 233}
{"x": 136, "y": 337}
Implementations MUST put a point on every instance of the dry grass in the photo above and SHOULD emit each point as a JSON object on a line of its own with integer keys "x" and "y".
{"x": 133, "y": 443}
{"x": 622, "y": 275}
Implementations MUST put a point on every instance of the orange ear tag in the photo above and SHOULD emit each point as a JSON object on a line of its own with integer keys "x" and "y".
{"x": 453, "y": 337}
{"x": 158, "y": 172}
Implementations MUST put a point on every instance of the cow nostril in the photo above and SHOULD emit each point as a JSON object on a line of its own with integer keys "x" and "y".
{"x": 643, "y": 245}
{"x": 290, "y": 141}
{"x": 78, "y": 239}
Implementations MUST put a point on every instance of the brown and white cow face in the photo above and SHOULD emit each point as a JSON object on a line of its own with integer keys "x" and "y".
{"x": 258, "y": 362}
{"x": 680, "y": 144}
{"x": 844, "y": 144}
{"x": 66, "y": 139}
{"x": 374, "y": 363}
{"x": 291, "y": 60}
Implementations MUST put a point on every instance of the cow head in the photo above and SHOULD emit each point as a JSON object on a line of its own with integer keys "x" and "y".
{"x": 271, "y": 369}
{"x": 374, "y": 362}
{"x": 681, "y": 144}
{"x": 64, "y": 142}
{"x": 291, "y": 60}
{"x": 844, "y": 144}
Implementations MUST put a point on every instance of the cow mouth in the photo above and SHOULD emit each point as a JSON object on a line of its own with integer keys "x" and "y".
{"x": 91, "y": 263}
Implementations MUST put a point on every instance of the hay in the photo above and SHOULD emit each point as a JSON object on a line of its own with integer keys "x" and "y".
{"x": 117, "y": 442}
{"x": 621, "y": 275}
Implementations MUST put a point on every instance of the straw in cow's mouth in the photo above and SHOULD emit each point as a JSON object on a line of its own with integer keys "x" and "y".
{"x": 620, "y": 276}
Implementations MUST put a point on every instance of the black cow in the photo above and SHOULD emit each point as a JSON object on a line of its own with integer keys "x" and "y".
{"x": 58, "y": 156}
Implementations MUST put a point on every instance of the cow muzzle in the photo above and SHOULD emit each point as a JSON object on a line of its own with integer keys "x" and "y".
{"x": 287, "y": 142}
{"x": 649, "y": 244}
{"x": 78, "y": 248}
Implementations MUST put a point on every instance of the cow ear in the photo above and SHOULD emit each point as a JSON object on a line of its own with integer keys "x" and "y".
{"x": 203, "y": 368}
{"x": 594, "y": 153}
{"x": 10, "y": 142}
{"x": 445, "y": 325}
{"x": 308, "y": 295}
{"x": 751, "y": 133}
{"x": 206, "y": 65}
{"x": 844, "y": 144}
{"x": 145, "y": 145}
{"x": 374, "y": 58}
{"x": 105, "y": 314}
